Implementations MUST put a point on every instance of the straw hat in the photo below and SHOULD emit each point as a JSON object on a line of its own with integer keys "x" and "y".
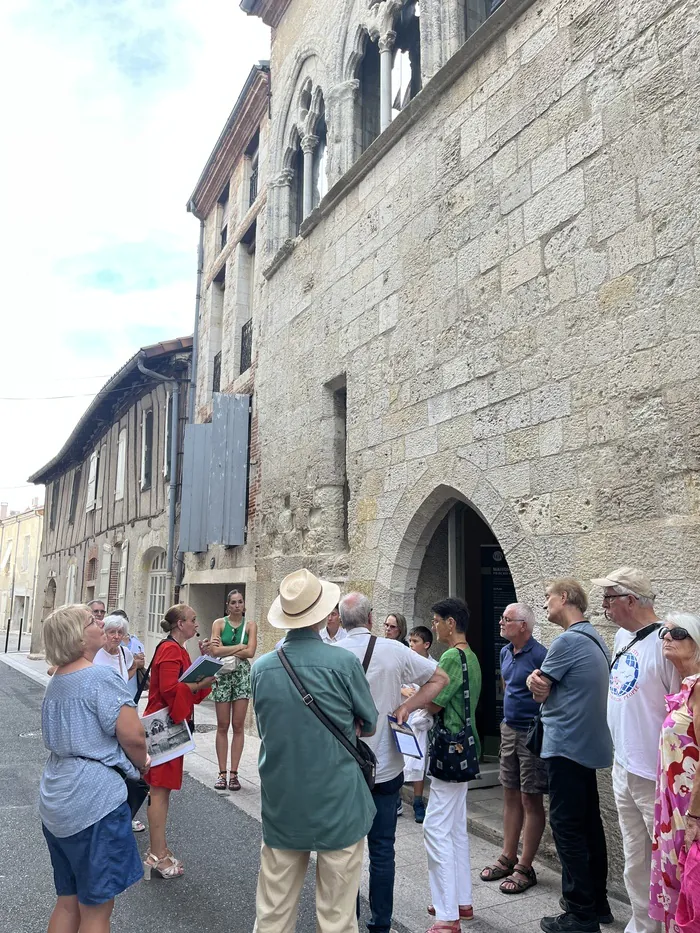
{"x": 304, "y": 600}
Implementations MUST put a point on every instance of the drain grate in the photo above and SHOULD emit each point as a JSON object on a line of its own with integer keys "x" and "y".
{"x": 205, "y": 727}
{"x": 34, "y": 735}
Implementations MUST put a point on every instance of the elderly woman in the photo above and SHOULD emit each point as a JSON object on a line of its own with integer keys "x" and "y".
{"x": 170, "y": 661}
{"x": 91, "y": 727}
{"x": 677, "y": 810}
{"x": 395, "y": 627}
{"x": 114, "y": 654}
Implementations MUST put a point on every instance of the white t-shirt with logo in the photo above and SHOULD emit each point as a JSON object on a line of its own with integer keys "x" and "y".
{"x": 640, "y": 680}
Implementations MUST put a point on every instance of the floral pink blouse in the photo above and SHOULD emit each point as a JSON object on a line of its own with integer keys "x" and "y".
{"x": 678, "y": 760}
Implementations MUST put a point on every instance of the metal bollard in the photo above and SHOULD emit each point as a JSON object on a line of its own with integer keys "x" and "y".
{"x": 19, "y": 637}
{"x": 7, "y": 635}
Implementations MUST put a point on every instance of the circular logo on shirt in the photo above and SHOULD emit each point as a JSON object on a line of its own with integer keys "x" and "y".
{"x": 624, "y": 675}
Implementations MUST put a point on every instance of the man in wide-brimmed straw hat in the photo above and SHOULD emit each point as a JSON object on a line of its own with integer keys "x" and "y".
{"x": 314, "y": 795}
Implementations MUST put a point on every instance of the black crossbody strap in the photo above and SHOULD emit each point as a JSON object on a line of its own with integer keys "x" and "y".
{"x": 369, "y": 652}
{"x": 139, "y": 691}
{"x": 595, "y": 642}
{"x": 640, "y": 636}
{"x": 312, "y": 705}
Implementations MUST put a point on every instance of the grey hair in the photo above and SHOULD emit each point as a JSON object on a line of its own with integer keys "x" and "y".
{"x": 691, "y": 623}
{"x": 355, "y": 610}
{"x": 624, "y": 591}
{"x": 94, "y": 602}
{"x": 527, "y": 614}
{"x": 116, "y": 624}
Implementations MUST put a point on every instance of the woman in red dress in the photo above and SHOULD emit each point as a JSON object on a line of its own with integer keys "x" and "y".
{"x": 170, "y": 660}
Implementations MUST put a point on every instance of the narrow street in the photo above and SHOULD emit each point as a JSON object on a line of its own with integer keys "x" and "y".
{"x": 219, "y": 843}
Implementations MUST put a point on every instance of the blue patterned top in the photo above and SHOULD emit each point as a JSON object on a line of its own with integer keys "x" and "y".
{"x": 78, "y": 718}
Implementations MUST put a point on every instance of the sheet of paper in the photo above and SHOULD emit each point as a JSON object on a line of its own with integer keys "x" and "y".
{"x": 166, "y": 739}
{"x": 405, "y": 739}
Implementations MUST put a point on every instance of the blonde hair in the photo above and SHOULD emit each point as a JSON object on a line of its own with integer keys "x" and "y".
{"x": 174, "y": 615}
{"x": 64, "y": 638}
{"x": 572, "y": 589}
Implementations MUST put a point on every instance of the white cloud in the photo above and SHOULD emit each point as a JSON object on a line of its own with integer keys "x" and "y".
{"x": 110, "y": 111}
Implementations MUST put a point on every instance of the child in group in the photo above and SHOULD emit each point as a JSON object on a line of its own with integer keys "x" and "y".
{"x": 420, "y": 639}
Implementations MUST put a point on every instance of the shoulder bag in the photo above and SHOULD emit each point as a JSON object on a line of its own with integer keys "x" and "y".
{"x": 452, "y": 757}
{"x": 136, "y": 788}
{"x": 361, "y": 752}
{"x": 535, "y": 734}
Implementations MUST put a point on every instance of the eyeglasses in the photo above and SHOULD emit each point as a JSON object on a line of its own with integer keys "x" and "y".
{"x": 99, "y": 612}
{"x": 503, "y": 619}
{"x": 675, "y": 631}
{"x": 606, "y": 598}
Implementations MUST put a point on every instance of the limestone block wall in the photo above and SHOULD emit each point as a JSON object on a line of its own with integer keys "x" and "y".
{"x": 511, "y": 293}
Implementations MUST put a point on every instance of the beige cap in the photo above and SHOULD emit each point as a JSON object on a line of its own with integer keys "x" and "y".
{"x": 631, "y": 578}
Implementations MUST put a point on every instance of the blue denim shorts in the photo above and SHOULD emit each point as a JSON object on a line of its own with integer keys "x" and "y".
{"x": 97, "y": 863}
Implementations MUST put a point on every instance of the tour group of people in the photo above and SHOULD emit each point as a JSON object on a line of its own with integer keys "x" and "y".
{"x": 329, "y": 700}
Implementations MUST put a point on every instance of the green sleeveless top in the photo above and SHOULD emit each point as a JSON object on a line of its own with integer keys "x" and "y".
{"x": 232, "y": 636}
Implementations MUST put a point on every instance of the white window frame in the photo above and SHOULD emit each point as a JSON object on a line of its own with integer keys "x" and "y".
{"x": 70, "y": 585}
{"x": 122, "y": 575}
{"x": 168, "y": 435}
{"x": 121, "y": 466}
{"x": 105, "y": 570}
{"x": 91, "y": 499}
{"x": 157, "y": 593}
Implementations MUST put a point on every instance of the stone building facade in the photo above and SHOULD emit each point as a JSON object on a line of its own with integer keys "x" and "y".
{"x": 112, "y": 493}
{"x": 477, "y": 360}
{"x": 20, "y": 544}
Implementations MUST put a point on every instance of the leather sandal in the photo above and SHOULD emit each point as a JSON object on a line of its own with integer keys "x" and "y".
{"x": 466, "y": 912}
{"x": 220, "y": 783}
{"x": 233, "y": 782}
{"x": 502, "y": 868}
{"x": 166, "y": 868}
{"x": 512, "y": 885}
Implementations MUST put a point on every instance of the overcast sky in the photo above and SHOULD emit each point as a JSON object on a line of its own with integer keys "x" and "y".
{"x": 110, "y": 110}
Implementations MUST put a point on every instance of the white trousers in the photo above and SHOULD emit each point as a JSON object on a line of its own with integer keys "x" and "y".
{"x": 447, "y": 845}
{"x": 281, "y": 879}
{"x": 634, "y": 798}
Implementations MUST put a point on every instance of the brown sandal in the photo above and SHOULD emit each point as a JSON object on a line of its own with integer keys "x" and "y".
{"x": 220, "y": 783}
{"x": 233, "y": 782}
{"x": 502, "y": 868}
{"x": 517, "y": 887}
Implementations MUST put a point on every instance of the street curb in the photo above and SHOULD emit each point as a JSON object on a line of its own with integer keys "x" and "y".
{"x": 36, "y": 676}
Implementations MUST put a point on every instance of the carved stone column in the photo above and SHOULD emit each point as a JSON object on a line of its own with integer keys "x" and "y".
{"x": 308, "y": 145}
{"x": 341, "y": 109}
{"x": 442, "y": 33}
{"x": 279, "y": 208}
{"x": 386, "y": 48}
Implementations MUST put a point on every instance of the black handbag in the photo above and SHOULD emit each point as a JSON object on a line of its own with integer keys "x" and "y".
{"x": 452, "y": 757}
{"x": 136, "y": 788}
{"x": 535, "y": 734}
{"x": 361, "y": 752}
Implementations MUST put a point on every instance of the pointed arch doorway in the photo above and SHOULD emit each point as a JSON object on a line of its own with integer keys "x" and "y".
{"x": 464, "y": 558}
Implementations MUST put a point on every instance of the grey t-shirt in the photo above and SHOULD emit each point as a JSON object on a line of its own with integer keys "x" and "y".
{"x": 79, "y": 718}
{"x": 574, "y": 715}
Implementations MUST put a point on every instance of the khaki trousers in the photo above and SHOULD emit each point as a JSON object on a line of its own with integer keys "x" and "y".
{"x": 281, "y": 879}
{"x": 635, "y": 798}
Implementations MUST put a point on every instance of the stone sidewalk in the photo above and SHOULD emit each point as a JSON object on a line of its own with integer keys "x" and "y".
{"x": 493, "y": 911}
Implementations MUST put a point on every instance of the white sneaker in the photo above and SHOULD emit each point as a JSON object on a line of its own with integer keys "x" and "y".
{"x": 399, "y": 809}
{"x": 138, "y": 826}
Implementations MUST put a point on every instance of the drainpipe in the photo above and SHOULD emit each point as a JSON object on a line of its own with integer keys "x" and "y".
{"x": 195, "y": 335}
{"x": 172, "y": 487}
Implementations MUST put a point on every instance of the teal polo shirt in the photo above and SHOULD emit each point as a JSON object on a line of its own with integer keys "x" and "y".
{"x": 314, "y": 797}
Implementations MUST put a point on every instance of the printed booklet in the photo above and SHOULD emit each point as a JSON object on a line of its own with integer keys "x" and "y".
{"x": 166, "y": 739}
{"x": 203, "y": 667}
{"x": 405, "y": 739}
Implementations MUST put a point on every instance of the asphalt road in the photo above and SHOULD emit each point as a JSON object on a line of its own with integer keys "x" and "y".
{"x": 218, "y": 842}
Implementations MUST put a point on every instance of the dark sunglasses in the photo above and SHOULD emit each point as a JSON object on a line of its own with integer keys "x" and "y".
{"x": 675, "y": 631}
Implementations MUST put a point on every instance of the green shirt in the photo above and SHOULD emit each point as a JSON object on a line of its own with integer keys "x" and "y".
{"x": 451, "y": 697}
{"x": 314, "y": 796}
